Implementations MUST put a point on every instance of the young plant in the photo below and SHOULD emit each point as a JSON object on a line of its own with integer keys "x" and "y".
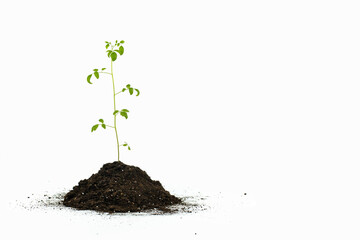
{"x": 113, "y": 51}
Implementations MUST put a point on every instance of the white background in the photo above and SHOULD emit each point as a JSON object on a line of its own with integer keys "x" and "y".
{"x": 259, "y": 97}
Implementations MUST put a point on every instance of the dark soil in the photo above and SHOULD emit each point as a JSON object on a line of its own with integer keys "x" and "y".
{"x": 118, "y": 187}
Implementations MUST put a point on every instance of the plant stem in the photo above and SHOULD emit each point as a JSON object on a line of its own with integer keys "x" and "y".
{"x": 117, "y": 137}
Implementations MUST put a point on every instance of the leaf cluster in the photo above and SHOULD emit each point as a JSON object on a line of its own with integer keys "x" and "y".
{"x": 131, "y": 90}
{"x": 123, "y": 112}
{"x": 97, "y": 125}
{"x": 96, "y": 74}
{"x": 116, "y": 49}
{"x": 126, "y": 145}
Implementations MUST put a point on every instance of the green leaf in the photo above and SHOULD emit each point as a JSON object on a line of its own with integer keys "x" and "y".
{"x": 125, "y": 144}
{"x": 131, "y": 90}
{"x": 122, "y": 41}
{"x": 107, "y": 45}
{"x": 124, "y": 114}
{"x": 88, "y": 78}
{"x": 129, "y": 148}
{"x": 128, "y": 86}
{"x": 121, "y": 50}
{"x": 116, "y": 112}
{"x": 138, "y": 92}
{"x": 124, "y": 110}
{"x": 96, "y": 74}
{"x": 123, "y": 90}
{"x": 104, "y": 126}
{"x": 116, "y": 41}
{"x": 101, "y": 120}
{"x": 95, "y": 70}
{"x": 103, "y": 69}
{"x": 94, "y": 127}
{"x": 113, "y": 56}
{"x": 109, "y": 52}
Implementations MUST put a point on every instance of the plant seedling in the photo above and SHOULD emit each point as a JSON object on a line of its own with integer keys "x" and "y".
{"x": 113, "y": 50}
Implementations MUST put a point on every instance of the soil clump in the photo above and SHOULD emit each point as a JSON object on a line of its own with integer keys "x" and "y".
{"x": 118, "y": 187}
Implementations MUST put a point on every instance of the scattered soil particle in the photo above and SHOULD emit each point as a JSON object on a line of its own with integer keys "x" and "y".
{"x": 118, "y": 187}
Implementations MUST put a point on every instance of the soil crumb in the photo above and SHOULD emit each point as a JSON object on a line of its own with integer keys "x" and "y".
{"x": 118, "y": 187}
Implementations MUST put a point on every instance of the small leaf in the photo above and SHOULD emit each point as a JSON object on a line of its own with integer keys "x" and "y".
{"x": 88, "y": 78}
{"x": 104, "y": 126}
{"x": 113, "y": 56}
{"x": 131, "y": 90}
{"x": 101, "y": 120}
{"x": 125, "y": 144}
{"x": 95, "y": 70}
{"x": 107, "y": 45}
{"x": 122, "y": 41}
{"x": 124, "y": 114}
{"x": 128, "y": 86}
{"x": 129, "y": 148}
{"x": 96, "y": 74}
{"x": 109, "y": 52}
{"x": 138, "y": 92}
{"x": 103, "y": 69}
{"x": 123, "y": 90}
{"x": 115, "y": 112}
{"x": 94, "y": 127}
{"x": 124, "y": 110}
{"x": 121, "y": 50}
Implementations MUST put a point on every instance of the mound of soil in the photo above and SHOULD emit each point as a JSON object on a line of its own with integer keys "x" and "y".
{"x": 118, "y": 187}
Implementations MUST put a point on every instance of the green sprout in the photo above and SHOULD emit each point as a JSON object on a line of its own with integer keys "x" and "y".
{"x": 113, "y": 50}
